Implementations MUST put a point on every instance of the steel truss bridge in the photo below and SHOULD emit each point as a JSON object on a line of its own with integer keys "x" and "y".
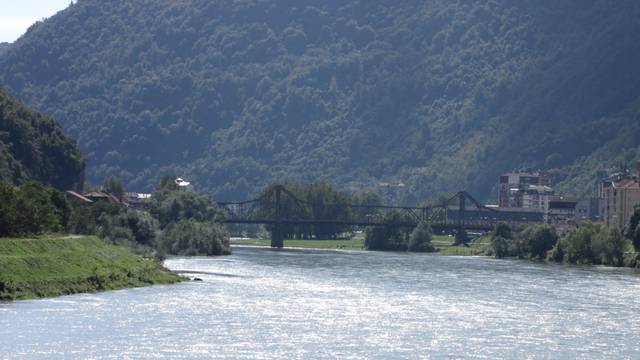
{"x": 279, "y": 207}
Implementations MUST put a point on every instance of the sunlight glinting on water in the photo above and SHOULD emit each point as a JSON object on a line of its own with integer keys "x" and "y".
{"x": 261, "y": 304}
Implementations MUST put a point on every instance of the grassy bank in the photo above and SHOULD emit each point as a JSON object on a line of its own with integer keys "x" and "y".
{"x": 476, "y": 247}
{"x": 355, "y": 244}
{"x": 50, "y": 266}
{"x": 442, "y": 243}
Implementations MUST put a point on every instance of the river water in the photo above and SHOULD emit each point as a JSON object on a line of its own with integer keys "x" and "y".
{"x": 298, "y": 304}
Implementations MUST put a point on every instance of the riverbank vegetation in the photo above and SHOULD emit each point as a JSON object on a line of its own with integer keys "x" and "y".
{"x": 54, "y": 266}
{"x": 177, "y": 222}
{"x": 589, "y": 243}
{"x": 396, "y": 238}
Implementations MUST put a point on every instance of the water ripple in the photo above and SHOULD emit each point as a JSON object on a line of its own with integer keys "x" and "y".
{"x": 262, "y": 304}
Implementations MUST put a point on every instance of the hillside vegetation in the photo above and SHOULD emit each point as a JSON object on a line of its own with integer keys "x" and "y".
{"x": 442, "y": 95}
{"x": 3, "y": 47}
{"x": 34, "y": 147}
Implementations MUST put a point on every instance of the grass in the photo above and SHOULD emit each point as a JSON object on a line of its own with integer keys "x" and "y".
{"x": 441, "y": 242}
{"x": 355, "y": 244}
{"x": 477, "y": 246}
{"x": 54, "y": 266}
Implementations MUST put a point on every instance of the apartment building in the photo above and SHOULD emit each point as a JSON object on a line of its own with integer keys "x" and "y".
{"x": 621, "y": 196}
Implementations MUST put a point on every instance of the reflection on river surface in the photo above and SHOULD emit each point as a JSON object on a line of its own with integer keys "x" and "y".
{"x": 262, "y": 303}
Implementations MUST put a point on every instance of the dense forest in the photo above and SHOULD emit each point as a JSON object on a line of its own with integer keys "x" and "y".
{"x": 3, "y": 47}
{"x": 34, "y": 147}
{"x": 440, "y": 95}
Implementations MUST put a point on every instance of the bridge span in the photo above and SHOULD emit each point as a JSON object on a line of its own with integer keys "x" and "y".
{"x": 280, "y": 209}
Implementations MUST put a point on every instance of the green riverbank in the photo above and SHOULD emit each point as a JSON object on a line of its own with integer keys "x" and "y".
{"x": 54, "y": 266}
{"x": 442, "y": 243}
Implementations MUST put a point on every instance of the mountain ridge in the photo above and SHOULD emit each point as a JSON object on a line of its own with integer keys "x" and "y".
{"x": 34, "y": 147}
{"x": 439, "y": 95}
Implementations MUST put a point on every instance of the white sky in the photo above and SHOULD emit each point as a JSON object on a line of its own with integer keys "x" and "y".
{"x": 17, "y": 15}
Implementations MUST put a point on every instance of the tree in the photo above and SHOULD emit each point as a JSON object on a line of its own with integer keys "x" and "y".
{"x": 189, "y": 237}
{"x": 608, "y": 247}
{"x": 114, "y": 186}
{"x": 388, "y": 237}
{"x": 174, "y": 205}
{"x": 538, "y": 240}
{"x": 143, "y": 226}
{"x": 577, "y": 246}
{"x": 591, "y": 244}
{"x": 33, "y": 147}
{"x": 190, "y": 222}
{"x": 35, "y": 212}
{"x": 633, "y": 231}
{"x": 167, "y": 183}
{"x": 420, "y": 238}
{"x": 501, "y": 237}
{"x": 8, "y": 214}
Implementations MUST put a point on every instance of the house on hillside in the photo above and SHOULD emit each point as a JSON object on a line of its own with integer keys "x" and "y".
{"x": 98, "y": 196}
{"x": 137, "y": 200}
{"x": 79, "y": 198}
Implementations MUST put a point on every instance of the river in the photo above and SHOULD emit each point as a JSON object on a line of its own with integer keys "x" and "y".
{"x": 297, "y": 304}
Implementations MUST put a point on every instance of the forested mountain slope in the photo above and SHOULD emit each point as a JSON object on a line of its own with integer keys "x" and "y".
{"x": 441, "y": 95}
{"x": 34, "y": 147}
{"x": 4, "y": 47}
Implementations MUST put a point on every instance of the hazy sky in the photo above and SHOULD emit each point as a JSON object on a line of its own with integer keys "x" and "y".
{"x": 17, "y": 15}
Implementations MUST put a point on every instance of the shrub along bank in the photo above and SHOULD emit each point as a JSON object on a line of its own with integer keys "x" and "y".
{"x": 590, "y": 243}
{"x": 396, "y": 238}
{"x": 44, "y": 267}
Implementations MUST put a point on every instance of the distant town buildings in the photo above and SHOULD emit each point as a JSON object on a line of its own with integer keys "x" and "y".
{"x": 620, "y": 194}
{"x": 589, "y": 209}
{"x": 524, "y": 189}
{"x": 561, "y": 209}
{"x": 530, "y": 192}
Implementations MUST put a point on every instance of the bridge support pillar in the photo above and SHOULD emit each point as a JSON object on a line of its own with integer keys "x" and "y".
{"x": 277, "y": 236}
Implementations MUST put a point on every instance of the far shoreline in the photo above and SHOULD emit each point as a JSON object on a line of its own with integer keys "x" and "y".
{"x": 442, "y": 243}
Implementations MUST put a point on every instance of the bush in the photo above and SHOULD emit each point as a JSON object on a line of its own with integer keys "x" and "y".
{"x": 609, "y": 247}
{"x": 384, "y": 238}
{"x": 591, "y": 244}
{"x": 420, "y": 238}
{"x": 501, "y": 238}
{"x": 500, "y": 246}
{"x": 189, "y": 237}
{"x": 389, "y": 237}
{"x": 169, "y": 205}
{"x": 121, "y": 225}
{"x": 577, "y": 244}
{"x": 537, "y": 240}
